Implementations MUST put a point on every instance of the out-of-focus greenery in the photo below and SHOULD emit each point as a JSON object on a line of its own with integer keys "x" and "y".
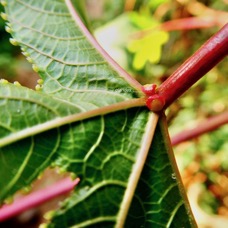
{"x": 8, "y": 52}
{"x": 103, "y": 11}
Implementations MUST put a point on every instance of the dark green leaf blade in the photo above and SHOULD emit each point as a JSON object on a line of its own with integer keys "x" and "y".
{"x": 25, "y": 112}
{"x": 160, "y": 199}
{"x": 102, "y": 150}
{"x": 105, "y": 170}
{"x": 22, "y": 162}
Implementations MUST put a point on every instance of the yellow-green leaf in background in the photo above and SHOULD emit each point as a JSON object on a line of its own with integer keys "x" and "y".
{"x": 148, "y": 48}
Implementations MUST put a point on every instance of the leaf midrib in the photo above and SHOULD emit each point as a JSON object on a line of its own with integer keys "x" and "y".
{"x": 122, "y": 73}
{"x": 137, "y": 169}
{"x": 60, "y": 121}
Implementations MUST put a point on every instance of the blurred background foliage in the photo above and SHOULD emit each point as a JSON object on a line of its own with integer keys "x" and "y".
{"x": 150, "y": 39}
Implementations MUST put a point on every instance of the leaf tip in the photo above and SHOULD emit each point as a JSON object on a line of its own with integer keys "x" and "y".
{"x": 26, "y": 54}
{"x": 40, "y": 176}
{"x": 53, "y": 165}
{"x": 73, "y": 176}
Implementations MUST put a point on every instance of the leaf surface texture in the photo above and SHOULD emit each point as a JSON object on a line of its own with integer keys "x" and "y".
{"x": 80, "y": 123}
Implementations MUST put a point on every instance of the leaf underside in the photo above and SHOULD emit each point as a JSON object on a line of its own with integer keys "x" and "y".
{"x": 157, "y": 201}
{"x": 71, "y": 67}
{"x": 102, "y": 150}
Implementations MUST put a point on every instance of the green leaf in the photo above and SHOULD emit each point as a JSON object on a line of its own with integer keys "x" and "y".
{"x": 106, "y": 171}
{"x": 87, "y": 121}
{"x": 157, "y": 201}
{"x": 26, "y": 113}
{"x": 148, "y": 48}
{"x": 65, "y": 54}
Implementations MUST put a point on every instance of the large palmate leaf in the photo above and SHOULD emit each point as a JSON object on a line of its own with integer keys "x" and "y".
{"x": 65, "y": 54}
{"x": 157, "y": 201}
{"x": 87, "y": 121}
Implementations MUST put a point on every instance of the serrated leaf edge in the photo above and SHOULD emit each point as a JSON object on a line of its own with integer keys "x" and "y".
{"x": 60, "y": 121}
{"x": 122, "y": 73}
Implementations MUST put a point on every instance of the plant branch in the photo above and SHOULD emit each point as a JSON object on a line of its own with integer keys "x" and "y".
{"x": 212, "y": 52}
{"x": 207, "y": 126}
{"x": 37, "y": 198}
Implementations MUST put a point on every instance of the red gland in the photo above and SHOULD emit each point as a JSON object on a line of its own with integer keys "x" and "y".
{"x": 153, "y": 101}
{"x": 149, "y": 89}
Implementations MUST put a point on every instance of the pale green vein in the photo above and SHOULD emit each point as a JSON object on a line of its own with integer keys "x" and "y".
{"x": 7, "y": 127}
{"x": 106, "y": 92}
{"x": 43, "y": 11}
{"x": 95, "y": 221}
{"x": 62, "y": 61}
{"x": 158, "y": 211}
{"x": 124, "y": 124}
{"x": 99, "y": 138}
{"x": 47, "y": 34}
{"x": 129, "y": 158}
{"x": 20, "y": 169}
{"x": 98, "y": 186}
{"x": 174, "y": 213}
{"x": 47, "y": 159}
{"x": 78, "y": 105}
{"x": 166, "y": 192}
{"x": 34, "y": 102}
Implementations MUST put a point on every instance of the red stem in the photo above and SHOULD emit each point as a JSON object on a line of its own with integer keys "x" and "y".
{"x": 212, "y": 52}
{"x": 37, "y": 198}
{"x": 188, "y": 23}
{"x": 207, "y": 126}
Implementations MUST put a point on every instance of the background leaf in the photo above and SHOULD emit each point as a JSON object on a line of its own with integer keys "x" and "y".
{"x": 159, "y": 199}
